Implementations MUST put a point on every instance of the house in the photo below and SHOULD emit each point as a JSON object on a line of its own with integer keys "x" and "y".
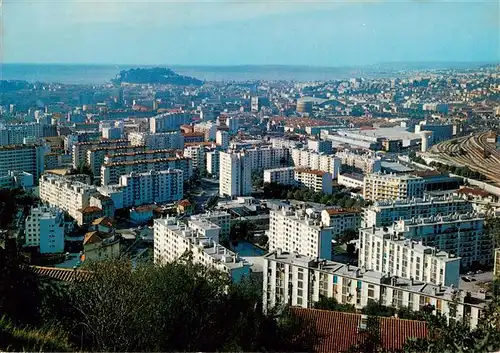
{"x": 99, "y": 246}
{"x": 103, "y": 224}
{"x": 141, "y": 214}
{"x": 88, "y": 214}
{"x": 340, "y": 331}
{"x": 184, "y": 207}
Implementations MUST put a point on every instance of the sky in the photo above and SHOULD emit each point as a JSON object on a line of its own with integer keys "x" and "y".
{"x": 252, "y": 32}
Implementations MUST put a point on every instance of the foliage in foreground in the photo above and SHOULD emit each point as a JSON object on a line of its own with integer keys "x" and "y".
{"x": 176, "y": 307}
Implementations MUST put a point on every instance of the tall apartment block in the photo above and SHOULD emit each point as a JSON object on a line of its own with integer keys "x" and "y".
{"x": 197, "y": 154}
{"x": 386, "y": 250}
{"x": 150, "y": 187}
{"x": 213, "y": 162}
{"x": 299, "y": 231}
{"x": 22, "y": 158}
{"x": 462, "y": 235}
{"x": 235, "y": 175}
{"x": 168, "y": 122}
{"x": 44, "y": 229}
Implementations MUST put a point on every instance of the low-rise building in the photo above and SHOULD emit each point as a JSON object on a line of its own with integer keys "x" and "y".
{"x": 298, "y": 280}
{"x": 353, "y": 181}
{"x": 98, "y": 246}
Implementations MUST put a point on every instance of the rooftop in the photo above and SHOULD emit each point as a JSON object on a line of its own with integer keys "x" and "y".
{"x": 339, "y": 330}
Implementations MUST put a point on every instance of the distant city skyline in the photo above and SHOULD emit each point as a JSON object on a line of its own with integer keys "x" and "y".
{"x": 227, "y": 33}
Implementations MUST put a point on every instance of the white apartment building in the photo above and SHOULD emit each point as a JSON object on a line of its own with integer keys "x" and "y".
{"x": 367, "y": 163}
{"x": 267, "y": 157}
{"x": 207, "y": 128}
{"x": 221, "y": 219}
{"x": 79, "y": 149}
{"x": 386, "y": 212}
{"x": 353, "y": 181}
{"x": 68, "y": 194}
{"x": 283, "y": 176}
{"x": 95, "y": 156}
{"x": 235, "y": 175}
{"x": 317, "y": 180}
{"x": 279, "y": 142}
{"x": 152, "y": 187}
{"x": 299, "y": 231}
{"x": 341, "y": 220}
{"x": 213, "y": 162}
{"x": 158, "y": 141}
{"x": 320, "y": 146}
{"x": 379, "y": 186}
{"x": 22, "y": 158}
{"x": 197, "y": 154}
{"x": 317, "y": 161}
{"x": 299, "y": 280}
{"x": 15, "y": 134}
{"x": 168, "y": 122}
{"x": 173, "y": 239}
{"x": 222, "y": 139}
{"x": 110, "y": 173}
{"x": 44, "y": 229}
{"x": 462, "y": 235}
{"x": 142, "y": 155}
{"x": 386, "y": 250}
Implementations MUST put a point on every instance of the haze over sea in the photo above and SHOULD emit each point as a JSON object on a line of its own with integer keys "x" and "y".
{"x": 98, "y": 74}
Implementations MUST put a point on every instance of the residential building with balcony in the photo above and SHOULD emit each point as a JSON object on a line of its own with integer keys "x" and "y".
{"x": 299, "y": 231}
{"x": 298, "y": 280}
{"x": 45, "y": 229}
{"x": 387, "y": 250}
{"x": 379, "y": 186}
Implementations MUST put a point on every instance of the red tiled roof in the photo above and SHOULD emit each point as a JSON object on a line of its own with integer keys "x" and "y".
{"x": 339, "y": 211}
{"x": 339, "y": 331}
{"x": 61, "y": 274}
{"x": 91, "y": 209}
{"x": 184, "y": 203}
{"x": 104, "y": 221}
{"x": 473, "y": 191}
{"x": 310, "y": 171}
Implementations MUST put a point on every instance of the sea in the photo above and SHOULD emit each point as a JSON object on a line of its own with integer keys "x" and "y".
{"x": 100, "y": 74}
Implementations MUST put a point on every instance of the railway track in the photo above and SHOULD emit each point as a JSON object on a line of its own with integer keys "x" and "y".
{"x": 472, "y": 151}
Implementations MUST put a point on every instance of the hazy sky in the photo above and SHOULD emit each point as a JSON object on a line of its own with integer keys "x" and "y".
{"x": 316, "y": 33}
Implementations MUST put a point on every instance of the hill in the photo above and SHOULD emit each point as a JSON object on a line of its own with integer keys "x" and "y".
{"x": 155, "y": 75}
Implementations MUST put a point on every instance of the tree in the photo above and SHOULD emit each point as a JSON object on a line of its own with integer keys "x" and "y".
{"x": 331, "y": 304}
